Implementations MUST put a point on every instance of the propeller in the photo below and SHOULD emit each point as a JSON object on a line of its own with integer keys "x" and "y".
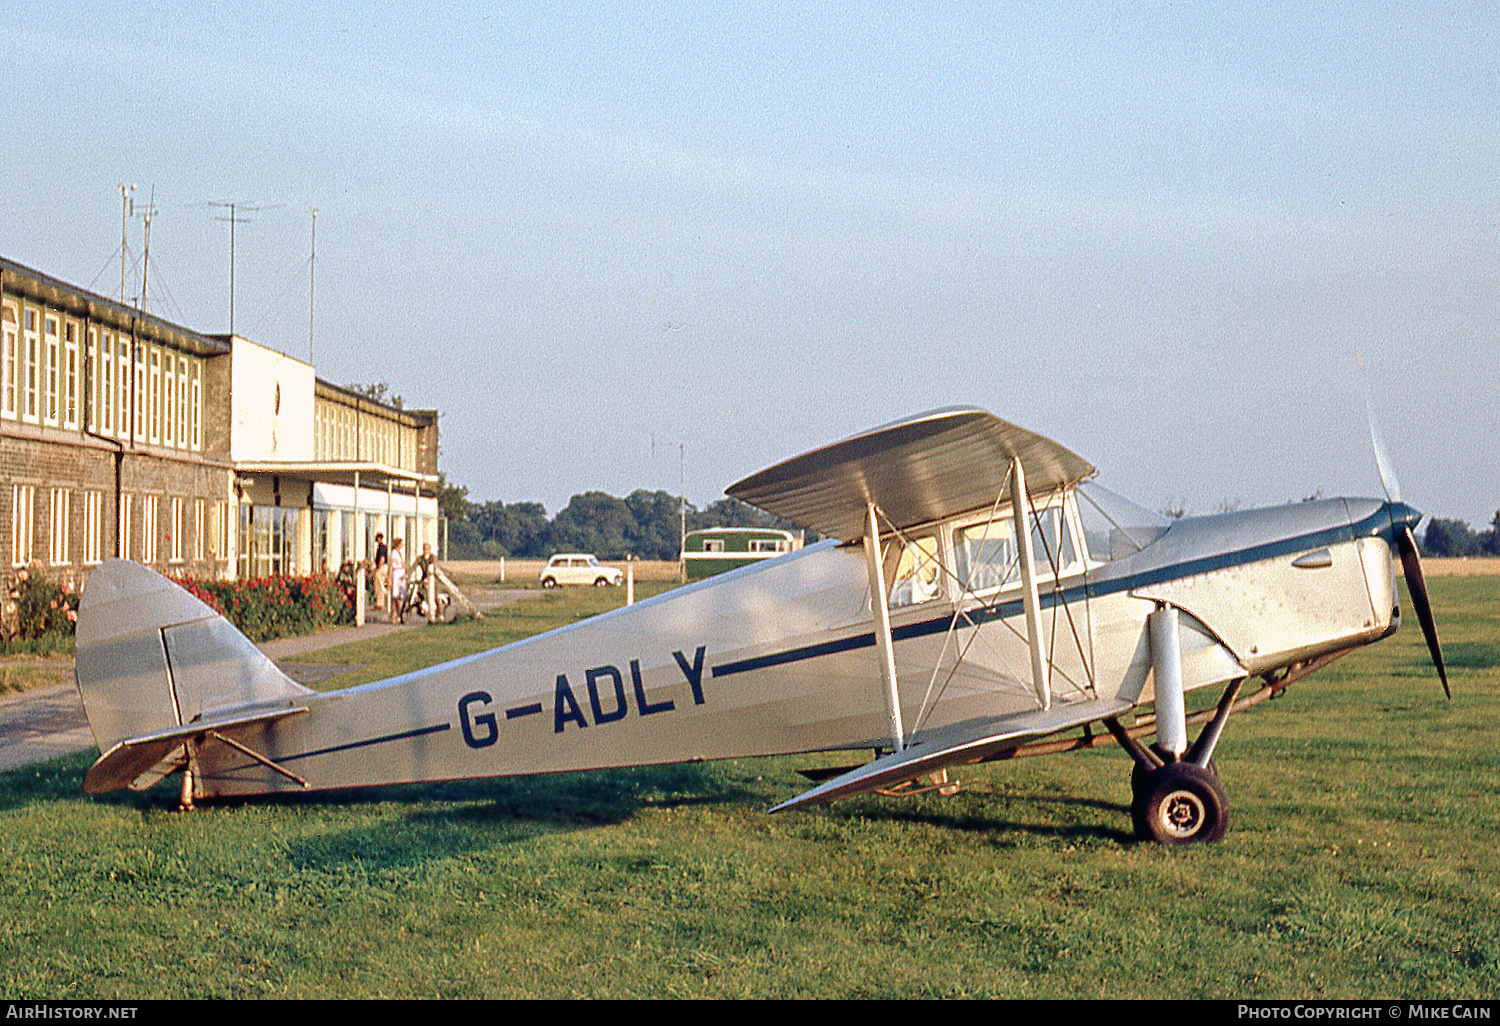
{"x": 1411, "y": 565}
{"x": 1406, "y": 542}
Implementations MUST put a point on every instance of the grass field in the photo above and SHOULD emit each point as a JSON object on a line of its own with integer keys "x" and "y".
{"x": 1361, "y": 863}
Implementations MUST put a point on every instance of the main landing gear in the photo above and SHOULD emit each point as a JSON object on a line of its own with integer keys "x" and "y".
{"x": 1179, "y": 800}
{"x": 1176, "y": 794}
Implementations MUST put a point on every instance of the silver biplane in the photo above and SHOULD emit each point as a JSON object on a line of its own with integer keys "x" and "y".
{"x": 976, "y": 597}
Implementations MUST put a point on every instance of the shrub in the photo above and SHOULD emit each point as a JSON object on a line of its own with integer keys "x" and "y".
{"x": 276, "y": 607}
{"x": 40, "y": 613}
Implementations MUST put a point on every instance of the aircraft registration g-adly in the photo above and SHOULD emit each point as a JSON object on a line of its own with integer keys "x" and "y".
{"x": 918, "y": 628}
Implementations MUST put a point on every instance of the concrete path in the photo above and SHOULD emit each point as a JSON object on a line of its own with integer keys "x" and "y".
{"x": 49, "y": 722}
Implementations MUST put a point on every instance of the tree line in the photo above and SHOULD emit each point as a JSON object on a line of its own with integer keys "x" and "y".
{"x": 1457, "y": 538}
{"x": 644, "y": 524}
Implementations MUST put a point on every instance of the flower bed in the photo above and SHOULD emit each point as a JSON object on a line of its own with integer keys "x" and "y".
{"x": 41, "y": 612}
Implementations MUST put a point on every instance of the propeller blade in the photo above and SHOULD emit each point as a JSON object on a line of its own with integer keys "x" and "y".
{"x": 1387, "y": 472}
{"x": 1417, "y": 586}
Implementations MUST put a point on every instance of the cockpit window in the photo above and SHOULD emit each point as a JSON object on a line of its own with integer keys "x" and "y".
{"x": 1115, "y": 527}
{"x": 919, "y": 572}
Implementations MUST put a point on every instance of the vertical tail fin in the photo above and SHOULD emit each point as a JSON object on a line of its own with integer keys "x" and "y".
{"x": 152, "y": 659}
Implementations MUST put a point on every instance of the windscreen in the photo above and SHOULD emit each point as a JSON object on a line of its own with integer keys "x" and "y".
{"x": 1113, "y": 526}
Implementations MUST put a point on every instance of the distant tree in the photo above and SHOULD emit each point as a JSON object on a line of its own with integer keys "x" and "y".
{"x": 594, "y": 522}
{"x": 1450, "y": 538}
{"x": 464, "y": 540}
{"x": 519, "y": 529}
{"x": 380, "y": 393}
{"x": 658, "y": 518}
{"x": 453, "y": 500}
{"x": 1489, "y": 541}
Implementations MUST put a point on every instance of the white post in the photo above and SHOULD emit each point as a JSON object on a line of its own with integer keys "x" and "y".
{"x": 502, "y": 569}
{"x": 879, "y": 605}
{"x": 359, "y": 593}
{"x": 431, "y": 583}
{"x": 630, "y": 580}
{"x": 1039, "y": 665}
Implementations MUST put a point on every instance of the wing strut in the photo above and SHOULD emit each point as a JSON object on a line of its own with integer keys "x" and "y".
{"x": 1039, "y": 663}
{"x": 880, "y": 607}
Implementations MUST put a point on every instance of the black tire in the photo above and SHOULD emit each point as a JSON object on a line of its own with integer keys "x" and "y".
{"x": 1138, "y": 774}
{"x": 602, "y": 582}
{"x": 1181, "y": 804}
{"x": 549, "y": 582}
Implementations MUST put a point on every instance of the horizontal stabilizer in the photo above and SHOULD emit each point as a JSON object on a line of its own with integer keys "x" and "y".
{"x": 956, "y": 749}
{"x": 917, "y": 470}
{"x": 133, "y": 757}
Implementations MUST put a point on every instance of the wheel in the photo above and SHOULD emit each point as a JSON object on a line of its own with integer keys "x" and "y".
{"x": 602, "y": 582}
{"x": 1138, "y": 774}
{"x": 1181, "y": 803}
{"x": 549, "y": 582}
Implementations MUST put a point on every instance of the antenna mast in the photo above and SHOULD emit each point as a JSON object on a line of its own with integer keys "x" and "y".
{"x": 234, "y": 219}
{"x": 126, "y": 209}
{"x": 312, "y": 278}
{"x": 681, "y": 499}
{"x": 146, "y": 216}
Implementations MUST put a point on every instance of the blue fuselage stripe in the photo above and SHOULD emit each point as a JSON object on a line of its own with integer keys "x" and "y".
{"x": 435, "y": 729}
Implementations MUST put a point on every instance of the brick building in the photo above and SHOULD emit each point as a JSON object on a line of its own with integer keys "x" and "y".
{"x": 122, "y": 434}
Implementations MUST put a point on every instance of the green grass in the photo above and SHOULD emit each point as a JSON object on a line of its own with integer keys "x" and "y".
{"x": 25, "y": 673}
{"x": 1361, "y": 863}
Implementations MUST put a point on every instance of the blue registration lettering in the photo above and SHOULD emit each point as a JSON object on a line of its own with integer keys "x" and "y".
{"x": 618, "y": 712}
{"x": 485, "y": 720}
{"x": 694, "y": 673}
{"x": 565, "y": 706}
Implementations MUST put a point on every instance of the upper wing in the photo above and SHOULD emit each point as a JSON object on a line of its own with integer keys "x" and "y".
{"x": 917, "y": 470}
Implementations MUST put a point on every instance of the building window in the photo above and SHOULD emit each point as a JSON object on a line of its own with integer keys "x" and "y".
{"x": 150, "y": 506}
{"x": 93, "y": 527}
{"x": 174, "y": 531}
{"x": 268, "y": 540}
{"x": 127, "y": 513}
{"x": 139, "y": 428}
{"x": 22, "y": 523}
{"x": 169, "y": 400}
{"x": 200, "y": 528}
{"x": 9, "y": 362}
{"x": 182, "y": 401}
{"x": 50, "y": 374}
{"x": 221, "y": 529}
{"x": 31, "y": 369}
{"x": 154, "y": 400}
{"x": 91, "y": 380}
{"x": 70, "y": 375}
{"x": 122, "y": 408}
{"x": 197, "y": 405}
{"x": 107, "y": 387}
{"x": 62, "y": 501}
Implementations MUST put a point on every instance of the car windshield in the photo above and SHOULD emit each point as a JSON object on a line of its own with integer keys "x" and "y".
{"x": 1113, "y": 526}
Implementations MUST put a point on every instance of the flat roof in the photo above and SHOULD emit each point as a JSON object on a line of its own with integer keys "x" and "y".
{"x": 33, "y": 284}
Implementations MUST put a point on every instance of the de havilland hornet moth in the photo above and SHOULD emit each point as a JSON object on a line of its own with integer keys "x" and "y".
{"x": 976, "y": 597}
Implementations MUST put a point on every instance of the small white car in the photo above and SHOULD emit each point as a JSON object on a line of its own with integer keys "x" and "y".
{"x": 579, "y": 568}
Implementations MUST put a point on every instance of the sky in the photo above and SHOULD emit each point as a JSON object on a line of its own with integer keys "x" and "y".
{"x": 664, "y": 246}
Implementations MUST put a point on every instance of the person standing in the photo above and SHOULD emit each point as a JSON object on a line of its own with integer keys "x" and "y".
{"x": 398, "y": 580}
{"x": 382, "y": 575}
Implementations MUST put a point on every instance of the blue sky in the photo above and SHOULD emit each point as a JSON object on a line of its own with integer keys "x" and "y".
{"x": 1157, "y": 235}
